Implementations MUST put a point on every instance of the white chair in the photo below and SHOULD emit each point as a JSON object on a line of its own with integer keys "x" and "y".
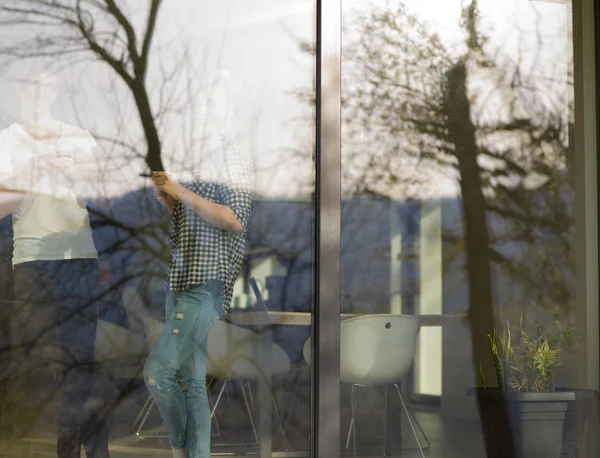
{"x": 116, "y": 345}
{"x": 376, "y": 350}
{"x": 234, "y": 354}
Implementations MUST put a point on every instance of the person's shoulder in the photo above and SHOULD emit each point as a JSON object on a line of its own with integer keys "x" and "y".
{"x": 10, "y": 130}
{"x": 7, "y": 138}
{"x": 8, "y": 134}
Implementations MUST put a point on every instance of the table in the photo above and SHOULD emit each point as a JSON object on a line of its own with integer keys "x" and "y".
{"x": 305, "y": 318}
{"x": 266, "y": 319}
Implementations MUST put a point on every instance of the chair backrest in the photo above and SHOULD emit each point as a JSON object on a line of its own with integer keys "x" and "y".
{"x": 233, "y": 352}
{"x": 377, "y": 349}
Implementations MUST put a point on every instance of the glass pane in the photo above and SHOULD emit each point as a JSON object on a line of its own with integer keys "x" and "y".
{"x": 156, "y": 165}
{"x": 459, "y": 230}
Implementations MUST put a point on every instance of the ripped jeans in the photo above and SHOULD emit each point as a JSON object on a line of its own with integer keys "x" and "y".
{"x": 175, "y": 371}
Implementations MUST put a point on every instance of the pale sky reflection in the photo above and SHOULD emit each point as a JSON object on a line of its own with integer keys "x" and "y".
{"x": 253, "y": 45}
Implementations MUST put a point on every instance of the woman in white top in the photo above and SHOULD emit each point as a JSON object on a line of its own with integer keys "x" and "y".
{"x": 55, "y": 261}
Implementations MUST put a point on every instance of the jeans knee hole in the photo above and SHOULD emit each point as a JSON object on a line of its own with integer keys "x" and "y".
{"x": 151, "y": 381}
{"x": 176, "y": 331}
{"x": 179, "y": 316}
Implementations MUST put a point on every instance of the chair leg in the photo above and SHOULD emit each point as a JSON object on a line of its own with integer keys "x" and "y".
{"x": 385, "y": 421}
{"x": 416, "y": 420}
{"x": 249, "y": 409}
{"x": 349, "y": 433}
{"x": 275, "y": 408}
{"x": 278, "y": 415}
{"x": 250, "y": 397}
{"x": 352, "y": 428}
{"x": 351, "y": 419}
{"x": 294, "y": 399}
{"x": 212, "y": 414}
{"x": 408, "y": 416}
{"x": 210, "y": 404}
{"x": 142, "y": 411}
{"x": 148, "y": 406}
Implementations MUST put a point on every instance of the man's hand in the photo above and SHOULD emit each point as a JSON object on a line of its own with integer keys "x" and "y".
{"x": 163, "y": 198}
{"x": 167, "y": 186}
{"x": 158, "y": 194}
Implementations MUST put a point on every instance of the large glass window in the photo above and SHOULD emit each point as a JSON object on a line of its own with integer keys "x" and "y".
{"x": 170, "y": 228}
{"x": 96, "y": 97}
{"x": 459, "y": 229}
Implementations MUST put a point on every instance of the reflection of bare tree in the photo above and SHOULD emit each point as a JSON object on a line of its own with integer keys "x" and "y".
{"x": 416, "y": 112}
{"x": 411, "y": 102}
{"x": 88, "y": 29}
{"x": 111, "y": 33}
{"x": 133, "y": 235}
{"x": 419, "y": 101}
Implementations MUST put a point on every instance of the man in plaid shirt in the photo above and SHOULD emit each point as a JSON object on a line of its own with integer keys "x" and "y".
{"x": 210, "y": 217}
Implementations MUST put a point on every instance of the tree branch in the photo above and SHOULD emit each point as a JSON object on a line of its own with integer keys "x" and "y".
{"x": 116, "y": 65}
{"x": 113, "y": 9}
{"x": 148, "y": 37}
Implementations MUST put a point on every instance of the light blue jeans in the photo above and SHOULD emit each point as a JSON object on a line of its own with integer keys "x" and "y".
{"x": 175, "y": 371}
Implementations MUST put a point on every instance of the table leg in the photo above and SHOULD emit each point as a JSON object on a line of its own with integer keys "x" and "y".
{"x": 264, "y": 404}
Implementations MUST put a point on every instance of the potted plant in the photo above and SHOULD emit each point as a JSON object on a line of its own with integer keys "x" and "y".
{"x": 524, "y": 417}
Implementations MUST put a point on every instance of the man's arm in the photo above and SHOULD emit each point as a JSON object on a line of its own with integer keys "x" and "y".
{"x": 236, "y": 193}
{"x": 217, "y": 215}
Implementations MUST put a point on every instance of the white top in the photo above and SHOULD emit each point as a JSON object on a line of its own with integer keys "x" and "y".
{"x": 49, "y": 224}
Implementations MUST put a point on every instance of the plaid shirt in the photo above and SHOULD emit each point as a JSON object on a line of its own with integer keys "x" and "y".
{"x": 201, "y": 252}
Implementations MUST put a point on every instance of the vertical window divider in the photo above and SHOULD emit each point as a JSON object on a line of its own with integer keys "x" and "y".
{"x": 325, "y": 438}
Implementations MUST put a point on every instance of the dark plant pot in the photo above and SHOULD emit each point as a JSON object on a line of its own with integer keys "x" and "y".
{"x": 524, "y": 425}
